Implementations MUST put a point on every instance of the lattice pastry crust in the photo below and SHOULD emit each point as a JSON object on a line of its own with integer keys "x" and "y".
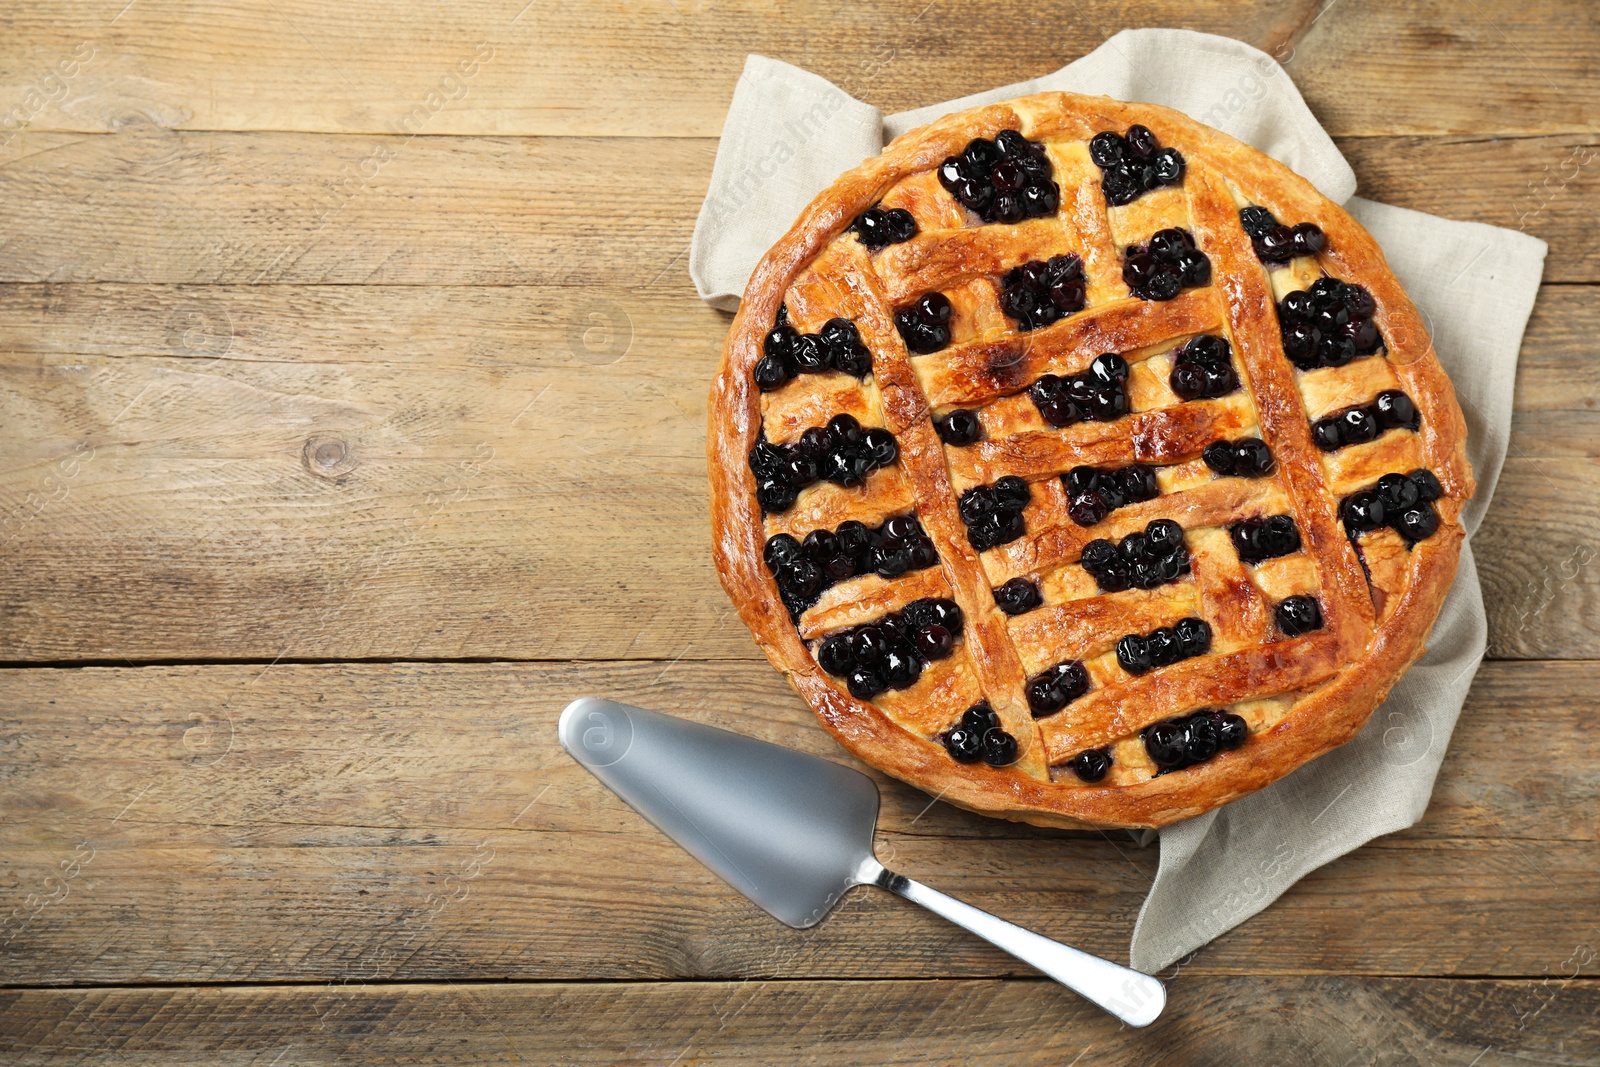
{"x": 1283, "y": 690}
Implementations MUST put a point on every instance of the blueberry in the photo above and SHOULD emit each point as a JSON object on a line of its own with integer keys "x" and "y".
{"x": 1189, "y": 381}
{"x": 835, "y": 656}
{"x": 1141, "y": 142}
{"x": 980, "y": 718}
{"x": 1135, "y": 547}
{"x": 780, "y": 342}
{"x": 1428, "y": 487}
{"x": 846, "y": 465}
{"x": 1107, "y": 149}
{"x": 1108, "y": 369}
{"x": 1363, "y": 512}
{"x": 1017, "y": 596}
{"x": 964, "y": 746}
{"x": 1163, "y": 536}
{"x": 1164, "y": 743}
{"x": 1011, "y": 143}
{"x": 975, "y": 504}
{"x": 978, "y": 157}
{"x": 1194, "y": 636}
{"x": 1044, "y": 695}
{"x": 843, "y": 430}
{"x": 974, "y": 193}
{"x": 1300, "y": 343}
{"x": 1007, "y": 176}
{"x": 768, "y": 460}
{"x": 891, "y": 559}
{"x": 902, "y": 527}
{"x": 1246, "y": 538}
{"x": 1328, "y": 434}
{"x": 1108, "y": 405}
{"x": 1164, "y": 285}
{"x": 1279, "y": 537}
{"x": 901, "y": 668}
{"x": 1134, "y": 654}
{"x": 880, "y": 445}
{"x": 813, "y": 444}
{"x": 1007, "y": 207}
{"x": 775, "y": 495}
{"x": 1115, "y": 576}
{"x": 1276, "y": 245}
{"x": 999, "y": 748}
{"x": 1072, "y": 679}
{"x": 1252, "y": 458}
{"x": 819, "y": 545}
{"x": 1061, "y": 411}
{"x": 1087, "y": 508}
{"x": 801, "y": 576}
{"x": 1395, "y": 410}
{"x": 1012, "y": 493}
{"x": 839, "y": 567}
{"x": 1120, "y": 187}
{"x": 950, "y": 173}
{"x": 1362, "y": 335}
{"x": 1196, "y": 268}
{"x": 1397, "y": 492}
{"x": 871, "y": 227}
{"x": 1308, "y": 239}
{"x": 811, "y": 355}
{"x": 1169, "y": 166}
{"x": 770, "y": 373}
{"x": 1163, "y": 646}
{"x": 1417, "y": 524}
{"x": 1139, "y": 483}
{"x": 1232, "y": 730}
{"x": 1068, "y": 296}
{"x": 1357, "y": 301}
{"x": 1220, "y": 457}
{"x": 855, "y": 360}
{"x": 1298, "y": 615}
{"x": 801, "y": 469}
{"x": 1357, "y": 426}
{"x": 923, "y": 554}
{"x": 899, "y": 225}
{"x": 935, "y": 642}
{"x": 780, "y": 549}
{"x": 869, "y": 643}
{"x": 1097, "y": 553}
{"x": 1168, "y": 244}
{"x": 1256, "y": 220}
{"x": 1220, "y": 381}
{"x": 1200, "y": 740}
{"x": 1092, "y": 765}
{"x": 946, "y": 613}
{"x": 1040, "y": 199}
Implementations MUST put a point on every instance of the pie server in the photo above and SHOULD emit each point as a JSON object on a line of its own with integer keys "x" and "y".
{"x": 792, "y": 832}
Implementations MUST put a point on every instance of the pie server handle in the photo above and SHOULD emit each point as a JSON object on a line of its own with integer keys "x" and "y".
{"x": 1135, "y": 998}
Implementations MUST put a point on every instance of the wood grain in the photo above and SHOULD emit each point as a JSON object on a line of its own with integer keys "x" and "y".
{"x": 1333, "y": 1020}
{"x": 668, "y": 68}
{"x": 152, "y": 205}
{"x": 340, "y": 472}
{"x": 418, "y": 822}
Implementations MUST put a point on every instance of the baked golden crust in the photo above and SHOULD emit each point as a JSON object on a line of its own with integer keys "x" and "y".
{"x": 1301, "y": 696}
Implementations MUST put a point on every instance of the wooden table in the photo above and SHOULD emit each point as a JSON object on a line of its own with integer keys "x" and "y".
{"x": 353, "y": 419}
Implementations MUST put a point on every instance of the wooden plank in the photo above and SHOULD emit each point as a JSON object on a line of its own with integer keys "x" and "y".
{"x": 152, "y": 205}
{"x": 668, "y": 69}
{"x": 1335, "y": 1020}
{"x": 330, "y": 472}
{"x": 417, "y": 822}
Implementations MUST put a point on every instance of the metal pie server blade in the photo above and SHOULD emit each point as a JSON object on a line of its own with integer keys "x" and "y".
{"x": 792, "y": 832}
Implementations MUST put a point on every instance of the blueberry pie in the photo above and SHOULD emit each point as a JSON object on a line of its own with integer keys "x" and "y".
{"x": 1081, "y": 465}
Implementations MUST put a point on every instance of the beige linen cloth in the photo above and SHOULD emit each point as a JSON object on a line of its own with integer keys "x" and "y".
{"x": 789, "y": 133}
